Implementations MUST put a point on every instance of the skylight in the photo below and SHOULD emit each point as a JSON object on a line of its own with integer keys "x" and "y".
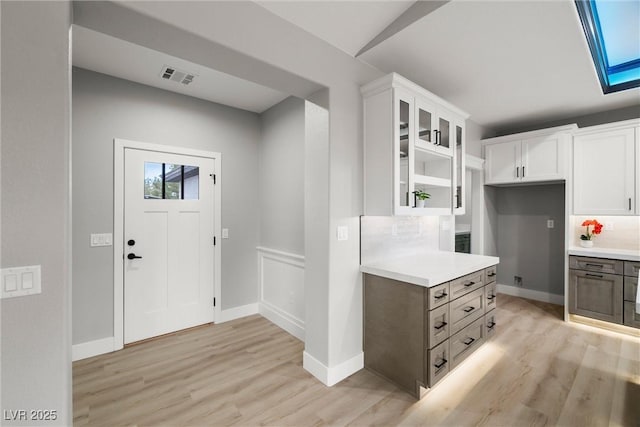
{"x": 612, "y": 29}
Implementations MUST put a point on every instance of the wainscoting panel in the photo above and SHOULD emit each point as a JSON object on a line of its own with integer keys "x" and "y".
{"x": 281, "y": 281}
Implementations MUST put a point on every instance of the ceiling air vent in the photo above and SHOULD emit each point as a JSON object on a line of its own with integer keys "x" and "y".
{"x": 175, "y": 75}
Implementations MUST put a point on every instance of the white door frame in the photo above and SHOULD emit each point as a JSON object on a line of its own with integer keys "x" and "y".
{"x": 119, "y": 146}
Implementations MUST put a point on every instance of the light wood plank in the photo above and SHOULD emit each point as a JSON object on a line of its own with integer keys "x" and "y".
{"x": 536, "y": 370}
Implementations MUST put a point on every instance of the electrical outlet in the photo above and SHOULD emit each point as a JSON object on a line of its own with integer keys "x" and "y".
{"x": 394, "y": 230}
{"x": 550, "y": 223}
{"x": 517, "y": 281}
{"x": 608, "y": 226}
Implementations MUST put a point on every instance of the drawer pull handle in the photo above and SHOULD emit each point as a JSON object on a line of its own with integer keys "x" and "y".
{"x": 441, "y": 325}
{"x": 442, "y": 295}
{"x": 468, "y": 309}
{"x": 594, "y": 265}
{"x": 600, "y": 276}
{"x": 491, "y": 325}
{"x": 491, "y": 274}
{"x": 469, "y": 284}
{"x": 491, "y": 297}
{"x": 441, "y": 364}
{"x": 469, "y": 341}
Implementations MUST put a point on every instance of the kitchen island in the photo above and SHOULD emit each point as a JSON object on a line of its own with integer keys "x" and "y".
{"x": 424, "y": 314}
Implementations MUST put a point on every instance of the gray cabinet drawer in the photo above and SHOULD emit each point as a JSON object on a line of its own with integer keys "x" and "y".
{"x": 596, "y": 295}
{"x": 631, "y": 318}
{"x": 630, "y": 288}
{"x": 466, "y": 309}
{"x": 438, "y": 360}
{"x": 490, "y": 298}
{"x": 438, "y": 325}
{"x": 438, "y": 295}
{"x": 631, "y": 268}
{"x": 490, "y": 323}
{"x": 465, "y": 342}
{"x": 599, "y": 265}
{"x": 465, "y": 284}
{"x": 490, "y": 274}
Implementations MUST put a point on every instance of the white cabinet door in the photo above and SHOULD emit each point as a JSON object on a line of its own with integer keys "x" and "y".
{"x": 502, "y": 162}
{"x": 542, "y": 159}
{"x": 604, "y": 173}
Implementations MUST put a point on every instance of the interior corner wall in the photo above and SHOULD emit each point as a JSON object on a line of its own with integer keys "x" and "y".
{"x": 281, "y": 182}
{"x": 105, "y": 108}
{"x": 526, "y": 247}
{"x": 35, "y": 104}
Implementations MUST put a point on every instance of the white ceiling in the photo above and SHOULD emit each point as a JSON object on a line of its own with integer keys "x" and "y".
{"x": 105, "y": 54}
{"x": 347, "y": 25}
{"x": 508, "y": 64}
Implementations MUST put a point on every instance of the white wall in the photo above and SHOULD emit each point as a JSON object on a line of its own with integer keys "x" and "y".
{"x": 281, "y": 269}
{"x": 35, "y": 100}
{"x": 105, "y": 108}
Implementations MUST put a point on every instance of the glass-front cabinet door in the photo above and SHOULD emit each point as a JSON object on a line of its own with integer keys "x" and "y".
{"x": 460, "y": 169}
{"x": 424, "y": 178}
{"x": 434, "y": 130}
{"x": 403, "y": 151}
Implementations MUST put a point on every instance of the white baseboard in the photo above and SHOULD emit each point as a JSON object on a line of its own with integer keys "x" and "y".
{"x": 238, "y": 312}
{"x": 290, "y": 324}
{"x": 92, "y": 348}
{"x": 331, "y": 376}
{"x": 530, "y": 294}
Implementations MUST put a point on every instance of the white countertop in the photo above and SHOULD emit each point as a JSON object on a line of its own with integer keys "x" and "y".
{"x": 429, "y": 268}
{"x": 623, "y": 254}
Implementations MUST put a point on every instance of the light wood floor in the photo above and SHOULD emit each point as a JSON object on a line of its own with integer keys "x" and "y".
{"x": 537, "y": 370}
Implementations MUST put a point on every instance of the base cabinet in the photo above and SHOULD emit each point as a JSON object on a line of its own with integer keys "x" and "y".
{"x": 630, "y": 316}
{"x": 414, "y": 336}
{"x": 604, "y": 289}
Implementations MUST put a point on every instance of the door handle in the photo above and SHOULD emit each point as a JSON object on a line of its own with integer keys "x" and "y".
{"x": 469, "y": 309}
{"x": 133, "y": 256}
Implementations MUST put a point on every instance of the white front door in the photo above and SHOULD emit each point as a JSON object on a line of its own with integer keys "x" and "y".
{"x": 168, "y": 243}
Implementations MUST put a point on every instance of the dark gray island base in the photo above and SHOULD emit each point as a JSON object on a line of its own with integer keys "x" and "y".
{"x": 415, "y": 335}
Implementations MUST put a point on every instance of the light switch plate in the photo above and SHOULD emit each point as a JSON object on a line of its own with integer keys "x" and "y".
{"x": 343, "y": 233}
{"x": 101, "y": 239}
{"x": 21, "y": 281}
{"x": 225, "y": 233}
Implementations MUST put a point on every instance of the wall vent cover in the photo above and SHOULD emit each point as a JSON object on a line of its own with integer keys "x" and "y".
{"x": 172, "y": 73}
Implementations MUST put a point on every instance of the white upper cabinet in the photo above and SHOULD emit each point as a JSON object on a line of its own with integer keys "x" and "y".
{"x": 413, "y": 142}
{"x": 606, "y": 169}
{"x": 528, "y": 157}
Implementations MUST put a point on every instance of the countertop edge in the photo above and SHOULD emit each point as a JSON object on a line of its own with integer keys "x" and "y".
{"x": 621, "y": 254}
{"x": 432, "y": 279}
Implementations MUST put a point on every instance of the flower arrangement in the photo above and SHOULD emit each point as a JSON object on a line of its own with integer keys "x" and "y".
{"x": 597, "y": 229}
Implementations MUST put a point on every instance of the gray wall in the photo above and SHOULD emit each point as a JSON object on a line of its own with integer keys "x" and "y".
{"x": 233, "y": 35}
{"x": 105, "y": 108}
{"x": 525, "y": 245}
{"x": 36, "y": 330}
{"x": 281, "y": 182}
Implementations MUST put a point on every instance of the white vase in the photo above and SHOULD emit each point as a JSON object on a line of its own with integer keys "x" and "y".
{"x": 420, "y": 203}
{"x": 586, "y": 243}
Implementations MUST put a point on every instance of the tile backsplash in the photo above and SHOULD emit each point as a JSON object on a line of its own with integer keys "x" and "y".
{"x": 624, "y": 235}
{"x": 386, "y": 236}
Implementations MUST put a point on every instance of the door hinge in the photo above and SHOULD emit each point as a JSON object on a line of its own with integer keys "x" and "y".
{"x": 213, "y": 176}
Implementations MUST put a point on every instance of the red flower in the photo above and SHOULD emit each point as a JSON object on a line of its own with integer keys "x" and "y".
{"x": 597, "y": 228}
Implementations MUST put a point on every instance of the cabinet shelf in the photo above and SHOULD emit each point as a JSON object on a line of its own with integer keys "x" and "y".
{"x": 432, "y": 181}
